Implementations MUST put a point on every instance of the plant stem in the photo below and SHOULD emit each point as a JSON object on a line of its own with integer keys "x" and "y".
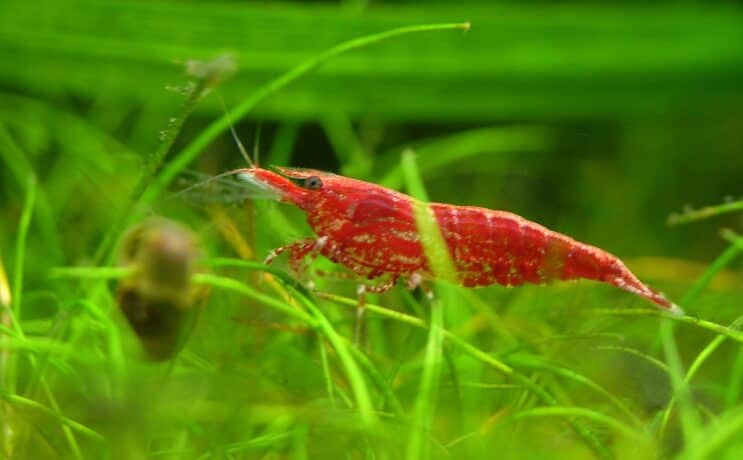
{"x": 188, "y": 154}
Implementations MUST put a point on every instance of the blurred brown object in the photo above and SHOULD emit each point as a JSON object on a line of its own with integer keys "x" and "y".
{"x": 158, "y": 299}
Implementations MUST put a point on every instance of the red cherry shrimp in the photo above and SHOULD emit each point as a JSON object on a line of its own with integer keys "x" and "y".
{"x": 372, "y": 231}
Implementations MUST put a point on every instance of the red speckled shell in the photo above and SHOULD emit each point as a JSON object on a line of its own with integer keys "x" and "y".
{"x": 372, "y": 230}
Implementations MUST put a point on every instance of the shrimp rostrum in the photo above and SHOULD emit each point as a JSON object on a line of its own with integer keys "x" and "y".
{"x": 372, "y": 231}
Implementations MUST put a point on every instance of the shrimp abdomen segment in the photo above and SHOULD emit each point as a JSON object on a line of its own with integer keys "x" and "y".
{"x": 500, "y": 247}
{"x": 589, "y": 262}
{"x": 492, "y": 246}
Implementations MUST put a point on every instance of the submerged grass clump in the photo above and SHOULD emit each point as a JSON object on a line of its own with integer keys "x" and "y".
{"x": 260, "y": 366}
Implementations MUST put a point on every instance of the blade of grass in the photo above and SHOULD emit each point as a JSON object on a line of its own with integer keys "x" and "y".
{"x": 379, "y": 381}
{"x": 283, "y": 144}
{"x": 353, "y": 373}
{"x": 557, "y": 411}
{"x": 6, "y": 299}
{"x": 425, "y": 401}
{"x": 455, "y": 385}
{"x": 299, "y": 444}
{"x": 654, "y": 361}
{"x": 714, "y": 436}
{"x": 722, "y": 261}
{"x": 67, "y": 430}
{"x": 539, "y": 363}
{"x": 35, "y": 345}
{"x": 735, "y": 382}
{"x": 689, "y": 418}
{"x": 439, "y": 261}
{"x": 40, "y": 361}
{"x": 692, "y": 320}
{"x": 695, "y": 365}
{"x": 478, "y": 355}
{"x": 358, "y": 355}
{"x": 230, "y": 284}
{"x": 21, "y": 168}
{"x": 588, "y": 437}
{"x": 30, "y": 403}
{"x": 690, "y": 422}
{"x": 355, "y": 161}
{"x": 696, "y": 44}
{"x": 440, "y": 153}
{"x": 441, "y": 265}
{"x": 496, "y": 322}
{"x": 6, "y": 328}
{"x": 188, "y": 154}
{"x": 437, "y": 254}
{"x": 329, "y": 386}
{"x": 706, "y": 212}
{"x": 14, "y": 313}
{"x": 102, "y": 319}
{"x": 315, "y": 320}
{"x": 732, "y": 237}
{"x": 20, "y": 254}
{"x": 250, "y": 265}
{"x": 97, "y": 273}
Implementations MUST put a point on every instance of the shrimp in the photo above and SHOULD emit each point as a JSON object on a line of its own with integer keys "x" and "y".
{"x": 372, "y": 231}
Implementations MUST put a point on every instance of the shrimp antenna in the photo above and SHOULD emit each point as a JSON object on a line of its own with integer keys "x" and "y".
{"x": 240, "y": 145}
{"x": 208, "y": 180}
{"x": 253, "y": 188}
{"x": 257, "y": 143}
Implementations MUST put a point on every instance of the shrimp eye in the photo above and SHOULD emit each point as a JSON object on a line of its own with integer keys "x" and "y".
{"x": 313, "y": 183}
